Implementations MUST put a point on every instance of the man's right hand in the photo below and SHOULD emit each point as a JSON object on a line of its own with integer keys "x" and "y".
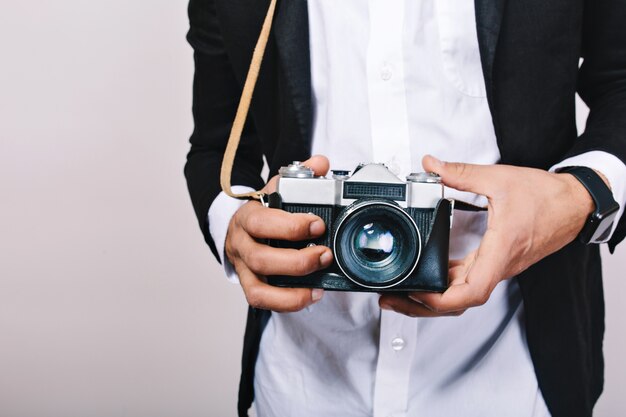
{"x": 253, "y": 260}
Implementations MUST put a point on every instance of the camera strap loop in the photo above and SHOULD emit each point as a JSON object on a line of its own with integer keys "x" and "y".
{"x": 243, "y": 108}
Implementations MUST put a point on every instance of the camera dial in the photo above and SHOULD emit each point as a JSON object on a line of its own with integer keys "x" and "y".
{"x": 424, "y": 177}
{"x": 296, "y": 170}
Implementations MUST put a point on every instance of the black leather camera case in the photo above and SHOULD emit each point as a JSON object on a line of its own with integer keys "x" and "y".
{"x": 431, "y": 273}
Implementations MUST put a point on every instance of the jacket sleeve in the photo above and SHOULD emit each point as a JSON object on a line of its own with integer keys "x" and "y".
{"x": 216, "y": 94}
{"x": 602, "y": 85}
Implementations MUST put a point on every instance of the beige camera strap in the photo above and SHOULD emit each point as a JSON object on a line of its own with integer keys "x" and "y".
{"x": 244, "y": 106}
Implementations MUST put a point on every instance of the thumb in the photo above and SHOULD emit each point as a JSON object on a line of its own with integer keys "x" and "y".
{"x": 460, "y": 176}
{"x": 319, "y": 164}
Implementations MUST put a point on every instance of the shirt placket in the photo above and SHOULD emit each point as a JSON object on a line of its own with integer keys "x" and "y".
{"x": 398, "y": 340}
{"x": 386, "y": 86}
{"x": 391, "y": 146}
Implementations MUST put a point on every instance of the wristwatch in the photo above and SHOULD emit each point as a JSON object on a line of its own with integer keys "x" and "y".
{"x": 600, "y": 222}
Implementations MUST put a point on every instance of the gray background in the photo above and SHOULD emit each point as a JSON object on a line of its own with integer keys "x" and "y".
{"x": 110, "y": 303}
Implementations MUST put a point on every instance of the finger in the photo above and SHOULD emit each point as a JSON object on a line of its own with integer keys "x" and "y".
{"x": 463, "y": 177}
{"x": 452, "y": 263}
{"x": 411, "y": 308}
{"x": 319, "y": 164}
{"x": 484, "y": 272}
{"x": 266, "y": 260}
{"x": 270, "y": 187}
{"x": 458, "y": 269}
{"x": 267, "y": 223}
{"x": 264, "y": 296}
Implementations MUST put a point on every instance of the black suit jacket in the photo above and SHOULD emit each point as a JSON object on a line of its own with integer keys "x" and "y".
{"x": 530, "y": 52}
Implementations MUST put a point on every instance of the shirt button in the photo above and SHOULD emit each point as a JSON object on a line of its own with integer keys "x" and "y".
{"x": 398, "y": 344}
{"x": 386, "y": 73}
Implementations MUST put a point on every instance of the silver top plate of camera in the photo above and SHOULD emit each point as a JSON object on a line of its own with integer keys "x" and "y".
{"x": 298, "y": 185}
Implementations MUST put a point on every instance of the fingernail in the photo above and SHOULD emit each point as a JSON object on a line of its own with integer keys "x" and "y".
{"x": 326, "y": 258}
{"x": 316, "y": 227}
{"x": 437, "y": 161}
{"x": 317, "y": 294}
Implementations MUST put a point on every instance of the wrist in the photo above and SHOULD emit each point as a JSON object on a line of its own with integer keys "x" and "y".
{"x": 578, "y": 195}
{"x": 604, "y": 207}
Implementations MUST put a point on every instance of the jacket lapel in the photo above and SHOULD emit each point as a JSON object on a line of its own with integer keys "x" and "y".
{"x": 291, "y": 30}
{"x": 488, "y": 21}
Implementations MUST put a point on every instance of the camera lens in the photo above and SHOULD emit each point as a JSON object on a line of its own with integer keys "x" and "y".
{"x": 376, "y": 243}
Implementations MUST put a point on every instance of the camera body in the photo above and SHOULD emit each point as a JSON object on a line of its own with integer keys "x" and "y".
{"x": 385, "y": 234}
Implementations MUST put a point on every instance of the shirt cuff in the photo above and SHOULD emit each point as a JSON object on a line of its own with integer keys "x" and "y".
{"x": 611, "y": 167}
{"x": 221, "y": 211}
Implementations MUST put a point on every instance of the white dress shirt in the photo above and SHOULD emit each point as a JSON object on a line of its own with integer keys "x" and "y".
{"x": 394, "y": 80}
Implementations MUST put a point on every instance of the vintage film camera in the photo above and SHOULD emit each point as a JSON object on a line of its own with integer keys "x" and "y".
{"x": 385, "y": 234}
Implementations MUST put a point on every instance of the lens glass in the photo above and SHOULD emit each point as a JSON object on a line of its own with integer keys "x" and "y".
{"x": 374, "y": 243}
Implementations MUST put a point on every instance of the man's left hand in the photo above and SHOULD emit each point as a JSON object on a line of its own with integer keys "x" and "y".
{"x": 531, "y": 214}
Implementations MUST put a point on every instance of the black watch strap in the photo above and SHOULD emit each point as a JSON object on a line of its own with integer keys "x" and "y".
{"x": 600, "y": 222}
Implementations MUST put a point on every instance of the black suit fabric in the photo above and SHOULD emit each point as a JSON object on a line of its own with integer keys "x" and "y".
{"x": 530, "y": 54}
